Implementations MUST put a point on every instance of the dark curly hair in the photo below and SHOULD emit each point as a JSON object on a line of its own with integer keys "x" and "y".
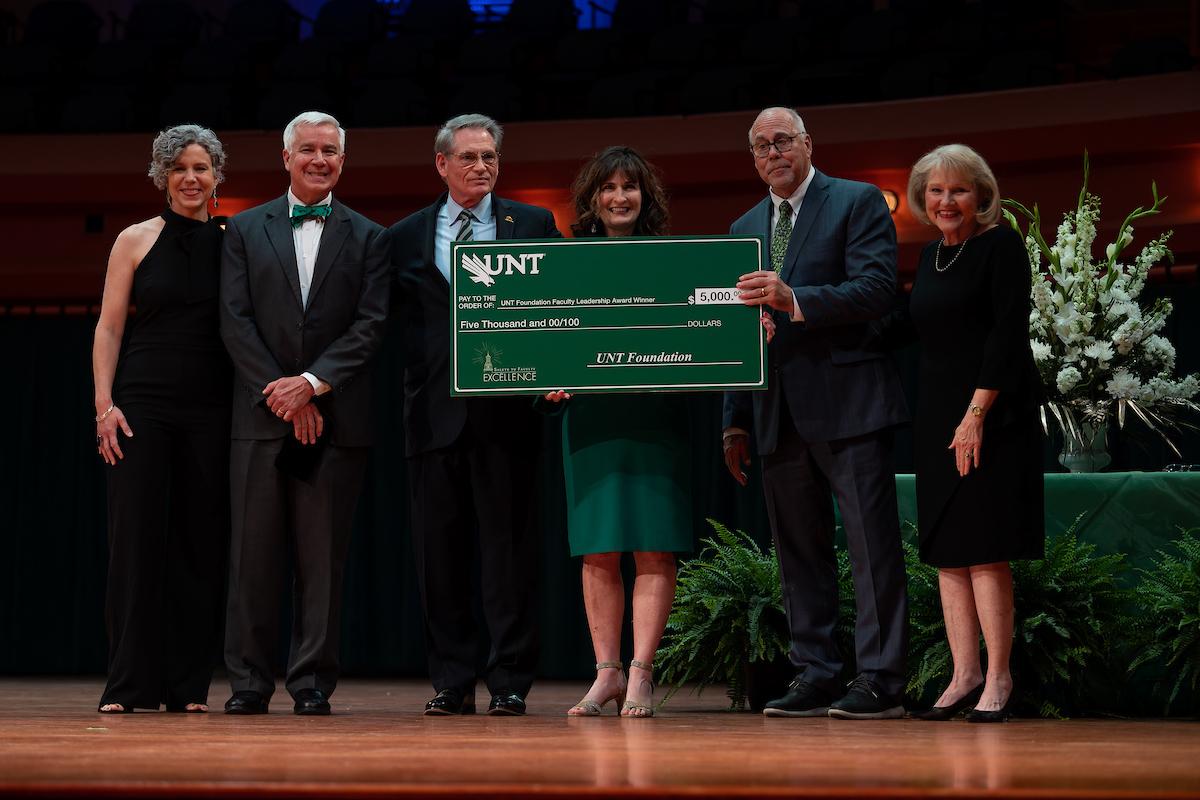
{"x": 653, "y": 219}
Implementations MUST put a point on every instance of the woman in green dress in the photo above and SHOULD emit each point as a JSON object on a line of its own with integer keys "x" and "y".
{"x": 627, "y": 465}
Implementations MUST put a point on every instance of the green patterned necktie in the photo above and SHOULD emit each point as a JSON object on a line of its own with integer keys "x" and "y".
{"x": 783, "y": 232}
{"x": 465, "y": 234}
{"x": 302, "y": 213}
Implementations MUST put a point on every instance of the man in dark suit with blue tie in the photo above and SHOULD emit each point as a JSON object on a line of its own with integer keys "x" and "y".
{"x": 824, "y": 426}
{"x": 472, "y": 462}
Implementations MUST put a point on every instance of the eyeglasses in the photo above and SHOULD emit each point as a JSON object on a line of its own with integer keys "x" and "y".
{"x": 782, "y": 144}
{"x": 469, "y": 158}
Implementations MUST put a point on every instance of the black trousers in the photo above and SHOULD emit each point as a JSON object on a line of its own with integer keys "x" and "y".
{"x": 799, "y": 480}
{"x": 168, "y": 533}
{"x": 275, "y": 515}
{"x": 476, "y": 499}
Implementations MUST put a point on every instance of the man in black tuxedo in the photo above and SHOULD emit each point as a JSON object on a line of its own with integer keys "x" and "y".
{"x": 824, "y": 425}
{"x": 304, "y": 299}
{"x": 471, "y": 462}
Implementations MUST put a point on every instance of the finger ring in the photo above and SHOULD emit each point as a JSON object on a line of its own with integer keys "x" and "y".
{"x": 97, "y": 438}
{"x": 764, "y": 291}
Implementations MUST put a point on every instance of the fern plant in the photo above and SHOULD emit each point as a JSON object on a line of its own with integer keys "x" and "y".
{"x": 728, "y": 613}
{"x": 1063, "y": 630}
{"x": 1064, "y": 609}
{"x": 929, "y": 664}
{"x": 1168, "y": 597}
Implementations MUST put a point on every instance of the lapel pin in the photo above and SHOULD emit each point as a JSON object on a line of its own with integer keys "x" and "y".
{"x": 508, "y": 219}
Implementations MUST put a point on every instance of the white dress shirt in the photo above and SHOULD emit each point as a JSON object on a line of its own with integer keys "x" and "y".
{"x": 795, "y": 201}
{"x": 307, "y": 238}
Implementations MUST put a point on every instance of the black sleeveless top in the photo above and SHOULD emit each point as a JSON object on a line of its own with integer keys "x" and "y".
{"x": 172, "y": 350}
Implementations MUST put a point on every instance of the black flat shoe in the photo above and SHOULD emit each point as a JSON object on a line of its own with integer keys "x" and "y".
{"x": 245, "y": 703}
{"x": 449, "y": 703}
{"x": 944, "y": 713}
{"x": 311, "y": 703}
{"x": 999, "y": 715}
{"x": 506, "y": 705}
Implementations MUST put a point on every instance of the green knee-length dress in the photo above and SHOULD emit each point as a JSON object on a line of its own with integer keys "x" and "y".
{"x": 627, "y": 465}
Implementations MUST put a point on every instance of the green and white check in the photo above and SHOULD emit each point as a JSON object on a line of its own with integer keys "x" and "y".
{"x": 604, "y": 315}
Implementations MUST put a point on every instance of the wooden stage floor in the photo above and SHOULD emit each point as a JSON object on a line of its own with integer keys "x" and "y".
{"x": 378, "y": 745}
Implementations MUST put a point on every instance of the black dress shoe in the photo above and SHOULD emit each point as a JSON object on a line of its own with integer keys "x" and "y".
{"x": 246, "y": 702}
{"x": 311, "y": 703}
{"x": 866, "y": 699}
{"x": 944, "y": 713}
{"x": 802, "y": 700}
{"x": 999, "y": 715}
{"x": 449, "y": 702}
{"x": 506, "y": 705}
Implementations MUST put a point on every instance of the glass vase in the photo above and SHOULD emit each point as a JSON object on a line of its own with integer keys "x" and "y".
{"x": 1086, "y": 450}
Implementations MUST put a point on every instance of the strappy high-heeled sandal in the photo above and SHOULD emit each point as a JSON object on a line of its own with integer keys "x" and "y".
{"x": 643, "y": 711}
{"x": 591, "y": 708}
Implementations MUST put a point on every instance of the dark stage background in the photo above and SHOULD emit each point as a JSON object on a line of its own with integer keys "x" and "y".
{"x": 86, "y": 82}
{"x": 53, "y": 530}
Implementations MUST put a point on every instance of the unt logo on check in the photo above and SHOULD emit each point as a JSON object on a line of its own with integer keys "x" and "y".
{"x": 483, "y": 269}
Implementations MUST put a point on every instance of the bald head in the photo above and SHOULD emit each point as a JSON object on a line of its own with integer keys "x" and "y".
{"x": 782, "y": 149}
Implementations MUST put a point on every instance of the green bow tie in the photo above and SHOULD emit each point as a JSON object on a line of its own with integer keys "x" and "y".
{"x": 301, "y": 213}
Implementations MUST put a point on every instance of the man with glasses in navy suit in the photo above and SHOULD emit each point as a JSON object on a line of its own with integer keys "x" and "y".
{"x": 824, "y": 426}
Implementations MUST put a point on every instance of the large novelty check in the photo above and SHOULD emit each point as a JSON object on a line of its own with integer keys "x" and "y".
{"x": 604, "y": 315}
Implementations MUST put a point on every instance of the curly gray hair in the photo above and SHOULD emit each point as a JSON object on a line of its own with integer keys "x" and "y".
{"x": 445, "y": 135}
{"x": 169, "y": 144}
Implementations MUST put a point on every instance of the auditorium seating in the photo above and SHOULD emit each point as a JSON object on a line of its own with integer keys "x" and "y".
{"x": 72, "y": 66}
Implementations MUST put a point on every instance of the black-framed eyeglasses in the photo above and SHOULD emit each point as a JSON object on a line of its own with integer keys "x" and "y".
{"x": 782, "y": 144}
{"x": 468, "y": 158}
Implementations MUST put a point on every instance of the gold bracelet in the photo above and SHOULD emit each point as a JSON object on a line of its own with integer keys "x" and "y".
{"x": 107, "y": 411}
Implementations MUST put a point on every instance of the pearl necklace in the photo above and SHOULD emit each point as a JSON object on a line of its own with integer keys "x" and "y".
{"x": 937, "y": 256}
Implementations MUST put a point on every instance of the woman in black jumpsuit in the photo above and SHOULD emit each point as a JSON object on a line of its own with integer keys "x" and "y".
{"x": 162, "y": 388}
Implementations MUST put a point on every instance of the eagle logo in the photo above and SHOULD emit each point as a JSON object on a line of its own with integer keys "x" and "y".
{"x": 477, "y": 269}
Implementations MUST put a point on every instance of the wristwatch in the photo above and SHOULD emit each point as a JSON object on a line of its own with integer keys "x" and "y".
{"x": 976, "y": 410}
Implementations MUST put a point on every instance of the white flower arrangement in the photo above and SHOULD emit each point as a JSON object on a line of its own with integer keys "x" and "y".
{"x": 1096, "y": 346}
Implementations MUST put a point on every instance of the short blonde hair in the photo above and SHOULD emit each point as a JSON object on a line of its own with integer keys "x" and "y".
{"x": 968, "y": 165}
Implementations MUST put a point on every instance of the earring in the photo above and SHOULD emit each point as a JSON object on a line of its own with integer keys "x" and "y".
{"x": 214, "y": 198}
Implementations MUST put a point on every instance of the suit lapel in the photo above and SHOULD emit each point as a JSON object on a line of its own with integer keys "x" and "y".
{"x": 333, "y": 236}
{"x": 814, "y": 199}
{"x": 431, "y": 223}
{"x": 279, "y": 233}
{"x": 505, "y": 224}
{"x": 761, "y": 221}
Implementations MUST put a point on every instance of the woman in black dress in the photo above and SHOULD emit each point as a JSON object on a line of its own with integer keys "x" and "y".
{"x": 162, "y": 383}
{"x": 978, "y": 437}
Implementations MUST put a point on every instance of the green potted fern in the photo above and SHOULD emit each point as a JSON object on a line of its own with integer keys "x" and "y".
{"x": 1168, "y": 599}
{"x": 1066, "y": 608}
{"x": 727, "y": 617}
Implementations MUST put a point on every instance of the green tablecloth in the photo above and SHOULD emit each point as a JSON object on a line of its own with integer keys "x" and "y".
{"x": 1135, "y": 513}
